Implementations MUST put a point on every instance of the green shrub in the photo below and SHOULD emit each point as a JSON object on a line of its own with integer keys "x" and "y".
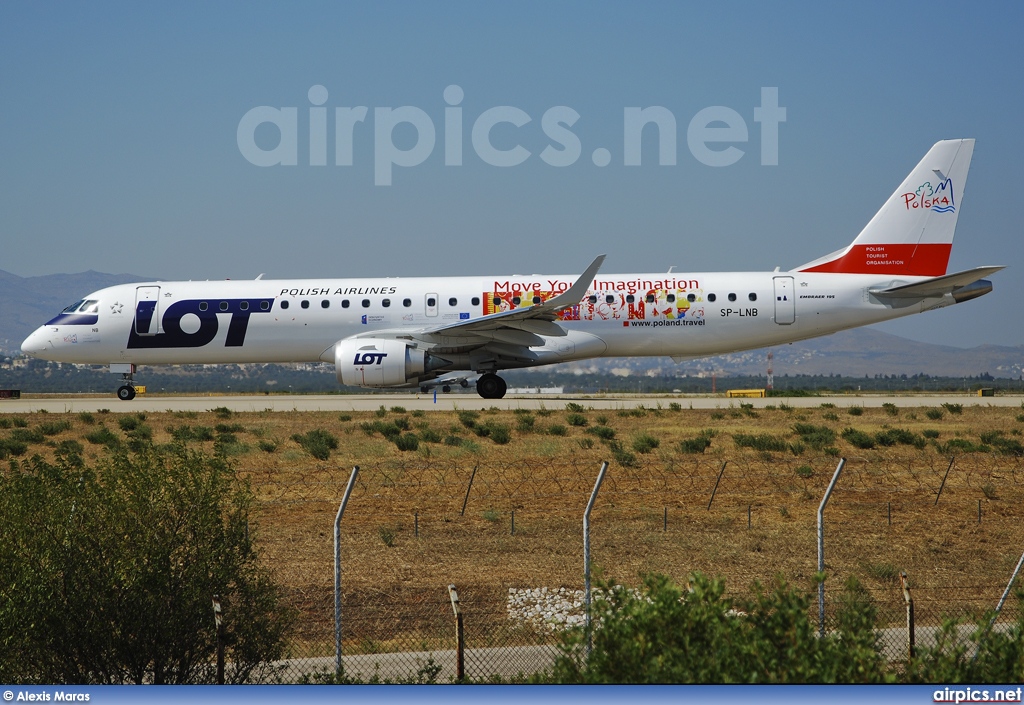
{"x": 267, "y": 446}
{"x": 645, "y": 443}
{"x": 407, "y": 441}
{"x": 500, "y": 433}
{"x": 429, "y": 435}
{"x": 761, "y": 441}
{"x": 52, "y": 428}
{"x": 930, "y": 433}
{"x": 890, "y": 409}
{"x": 605, "y": 433}
{"x": 574, "y": 407}
{"x": 229, "y": 428}
{"x": 805, "y": 471}
{"x": 858, "y": 439}
{"x": 557, "y": 430}
{"x": 468, "y": 418}
{"x": 698, "y": 444}
{"x": 855, "y": 410}
{"x": 817, "y": 437}
{"x": 576, "y": 420}
{"x": 622, "y": 456}
{"x": 86, "y": 418}
{"x": 222, "y": 412}
{"x": 955, "y": 409}
{"x": 103, "y": 436}
{"x": 524, "y": 422}
{"x": 27, "y": 435}
{"x": 934, "y": 414}
{"x": 453, "y": 440}
{"x": 318, "y": 443}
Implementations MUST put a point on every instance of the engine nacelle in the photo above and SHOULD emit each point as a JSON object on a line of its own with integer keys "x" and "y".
{"x": 379, "y": 362}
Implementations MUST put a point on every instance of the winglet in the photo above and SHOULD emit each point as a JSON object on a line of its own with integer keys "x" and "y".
{"x": 575, "y": 293}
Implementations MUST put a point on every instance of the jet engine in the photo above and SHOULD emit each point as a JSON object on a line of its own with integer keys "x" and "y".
{"x": 378, "y": 362}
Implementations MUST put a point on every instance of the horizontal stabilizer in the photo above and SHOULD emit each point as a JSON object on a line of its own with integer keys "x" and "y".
{"x": 936, "y": 286}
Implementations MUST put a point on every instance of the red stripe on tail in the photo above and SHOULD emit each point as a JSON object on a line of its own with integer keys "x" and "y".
{"x": 921, "y": 260}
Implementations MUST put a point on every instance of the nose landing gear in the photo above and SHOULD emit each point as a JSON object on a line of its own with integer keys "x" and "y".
{"x": 126, "y": 392}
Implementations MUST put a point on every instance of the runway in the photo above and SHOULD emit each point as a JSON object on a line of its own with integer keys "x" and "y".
{"x": 470, "y": 400}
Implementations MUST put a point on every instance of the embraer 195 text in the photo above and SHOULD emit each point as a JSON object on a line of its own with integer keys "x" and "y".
{"x": 382, "y": 333}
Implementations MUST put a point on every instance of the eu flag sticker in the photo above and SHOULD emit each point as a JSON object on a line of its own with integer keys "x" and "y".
{"x": 463, "y": 316}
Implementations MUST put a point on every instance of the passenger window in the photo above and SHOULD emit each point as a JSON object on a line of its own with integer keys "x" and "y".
{"x": 344, "y": 303}
{"x": 223, "y": 305}
{"x": 453, "y": 301}
{"x": 671, "y": 298}
{"x": 284, "y": 304}
{"x": 407, "y": 302}
{"x": 732, "y": 297}
{"x": 752, "y": 297}
{"x": 431, "y": 302}
{"x": 304, "y": 304}
{"x": 325, "y": 303}
{"x": 712, "y": 297}
{"x": 536, "y": 300}
{"x": 264, "y": 305}
{"x": 475, "y": 301}
{"x": 592, "y": 299}
{"x": 516, "y": 300}
{"x": 496, "y": 301}
{"x": 386, "y": 303}
{"x": 609, "y": 299}
{"x": 691, "y": 297}
{"x": 203, "y": 305}
{"x": 366, "y": 303}
{"x": 630, "y": 298}
{"x": 244, "y": 305}
{"x": 649, "y": 298}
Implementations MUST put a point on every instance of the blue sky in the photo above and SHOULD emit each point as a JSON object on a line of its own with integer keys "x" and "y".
{"x": 119, "y": 145}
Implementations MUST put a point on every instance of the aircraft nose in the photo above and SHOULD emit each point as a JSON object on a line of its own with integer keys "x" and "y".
{"x": 36, "y": 343}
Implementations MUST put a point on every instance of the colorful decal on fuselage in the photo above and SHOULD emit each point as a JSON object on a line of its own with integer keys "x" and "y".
{"x": 653, "y": 304}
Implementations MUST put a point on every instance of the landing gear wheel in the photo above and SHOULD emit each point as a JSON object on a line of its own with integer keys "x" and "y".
{"x": 126, "y": 392}
{"x": 491, "y": 386}
{"x": 446, "y": 389}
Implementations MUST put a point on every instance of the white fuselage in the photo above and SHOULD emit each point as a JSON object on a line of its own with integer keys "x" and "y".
{"x": 253, "y": 321}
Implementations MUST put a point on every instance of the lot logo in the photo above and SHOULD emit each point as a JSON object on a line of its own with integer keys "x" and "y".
{"x": 193, "y": 323}
{"x": 939, "y": 198}
{"x": 369, "y": 358}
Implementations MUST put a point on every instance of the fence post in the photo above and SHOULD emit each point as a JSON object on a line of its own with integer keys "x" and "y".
{"x": 821, "y": 546}
{"x": 337, "y": 569}
{"x": 586, "y": 553}
{"x": 463, "y": 512}
{"x": 460, "y": 645}
{"x": 720, "y": 473}
{"x": 218, "y": 618}
{"x": 950, "y": 467}
{"x": 910, "y": 614}
{"x": 999, "y": 607}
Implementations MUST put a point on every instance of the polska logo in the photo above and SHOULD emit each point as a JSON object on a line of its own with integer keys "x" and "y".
{"x": 370, "y": 358}
{"x": 938, "y": 198}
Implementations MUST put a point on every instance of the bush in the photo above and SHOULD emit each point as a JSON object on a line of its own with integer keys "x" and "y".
{"x": 556, "y": 429}
{"x": 52, "y": 428}
{"x": 954, "y": 409}
{"x": 186, "y": 433}
{"x": 407, "y": 441}
{"x": 574, "y": 407}
{"x": 663, "y": 633}
{"x": 87, "y": 418}
{"x": 934, "y": 414}
{"x": 858, "y": 439}
{"x": 817, "y": 437}
{"x": 468, "y": 418}
{"x": 855, "y": 410}
{"x": 645, "y": 443}
{"x": 697, "y": 445}
{"x": 267, "y": 446}
{"x": 318, "y": 443}
{"x": 166, "y": 529}
{"x": 622, "y": 456}
{"x": 429, "y": 435}
{"x": 576, "y": 420}
{"x": 891, "y": 409}
{"x": 524, "y": 422}
{"x": 103, "y": 436}
{"x": 605, "y": 433}
{"x": 761, "y": 441}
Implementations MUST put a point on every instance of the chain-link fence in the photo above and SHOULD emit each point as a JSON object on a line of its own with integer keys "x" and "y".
{"x": 509, "y": 536}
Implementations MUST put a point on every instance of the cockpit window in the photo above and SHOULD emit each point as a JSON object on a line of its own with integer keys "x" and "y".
{"x": 90, "y": 306}
{"x": 73, "y": 307}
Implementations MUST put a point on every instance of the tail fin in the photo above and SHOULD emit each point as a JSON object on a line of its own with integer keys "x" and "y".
{"x": 912, "y": 234}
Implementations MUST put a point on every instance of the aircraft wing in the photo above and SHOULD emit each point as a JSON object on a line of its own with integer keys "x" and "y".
{"x": 936, "y": 286}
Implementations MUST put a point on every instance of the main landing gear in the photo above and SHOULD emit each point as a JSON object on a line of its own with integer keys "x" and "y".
{"x": 126, "y": 392}
{"x": 491, "y": 386}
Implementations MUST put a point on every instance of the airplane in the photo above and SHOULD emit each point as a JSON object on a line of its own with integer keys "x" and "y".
{"x": 404, "y": 332}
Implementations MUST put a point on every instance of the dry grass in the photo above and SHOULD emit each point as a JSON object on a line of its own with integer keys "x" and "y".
{"x": 546, "y": 480}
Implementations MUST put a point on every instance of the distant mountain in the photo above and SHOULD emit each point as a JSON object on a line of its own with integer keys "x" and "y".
{"x": 27, "y": 302}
